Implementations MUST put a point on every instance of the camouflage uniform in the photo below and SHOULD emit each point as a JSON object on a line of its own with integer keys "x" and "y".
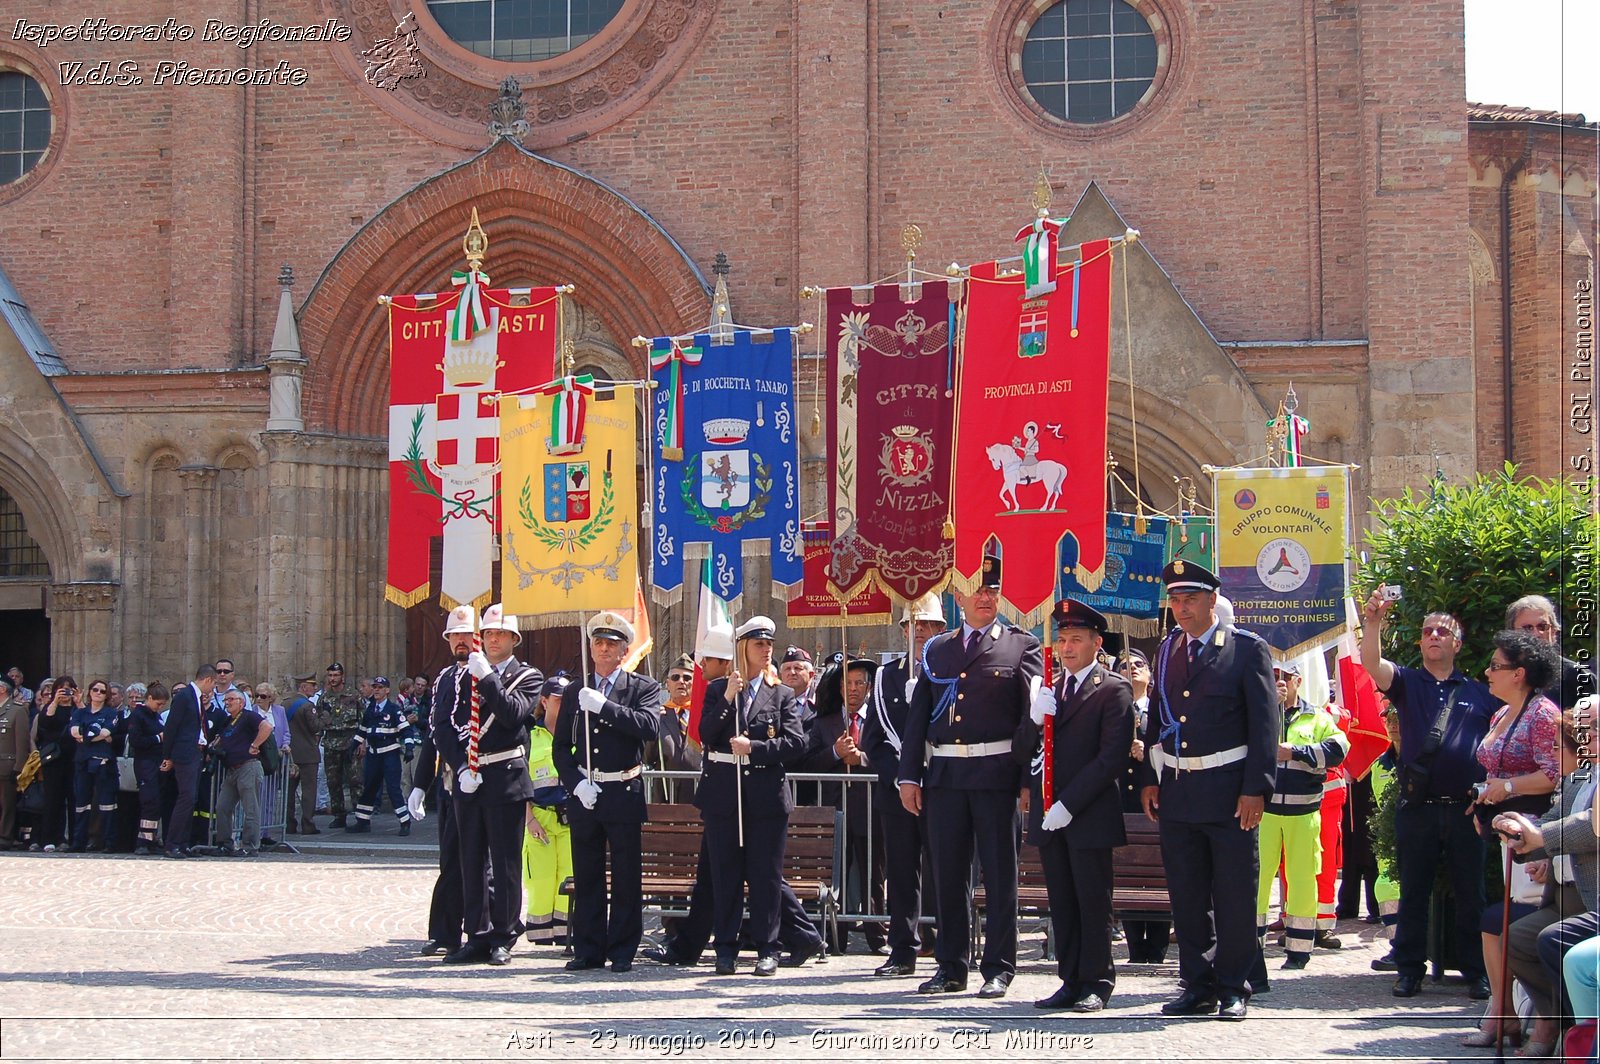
{"x": 339, "y": 712}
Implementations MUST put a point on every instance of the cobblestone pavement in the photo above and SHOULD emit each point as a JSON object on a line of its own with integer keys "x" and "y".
{"x": 314, "y": 958}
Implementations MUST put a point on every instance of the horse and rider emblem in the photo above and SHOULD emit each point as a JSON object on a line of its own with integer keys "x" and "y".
{"x": 1020, "y": 466}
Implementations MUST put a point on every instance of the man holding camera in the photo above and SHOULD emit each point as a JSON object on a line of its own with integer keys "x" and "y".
{"x": 1443, "y": 716}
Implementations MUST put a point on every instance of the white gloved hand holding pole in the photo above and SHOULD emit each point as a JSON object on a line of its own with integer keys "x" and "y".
{"x": 478, "y": 665}
{"x": 587, "y": 792}
{"x": 1044, "y": 705}
{"x": 590, "y": 700}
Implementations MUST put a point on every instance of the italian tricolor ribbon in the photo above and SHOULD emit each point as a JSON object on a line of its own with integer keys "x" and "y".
{"x": 467, "y": 317}
{"x": 672, "y": 356}
{"x": 570, "y": 399}
{"x": 1294, "y": 428}
{"x": 1039, "y": 256}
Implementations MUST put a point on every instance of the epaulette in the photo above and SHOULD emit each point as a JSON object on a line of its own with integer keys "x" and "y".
{"x": 1245, "y": 633}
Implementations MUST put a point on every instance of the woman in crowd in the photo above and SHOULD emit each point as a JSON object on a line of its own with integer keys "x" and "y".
{"x": 267, "y": 705}
{"x": 144, "y": 743}
{"x": 97, "y": 728}
{"x": 43, "y": 697}
{"x": 52, "y": 738}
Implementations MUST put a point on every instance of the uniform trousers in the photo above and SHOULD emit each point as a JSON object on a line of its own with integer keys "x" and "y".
{"x": 308, "y": 797}
{"x": 180, "y": 822}
{"x": 8, "y": 809}
{"x": 489, "y": 836}
{"x": 606, "y": 928}
{"x": 94, "y": 795}
{"x": 1291, "y": 840}
{"x": 343, "y": 781}
{"x": 545, "y": 865}
{"x": 905, "y": 843}
{"x": 147, "y": 771}
{"x": 959, "y": 823}
{"x": 382, "y": 771}
{"x": 445, "y": 910}
{"x": 1426, "y": 835}
{"x": 1206, "y": 865}
{"x": 1330, "y": 857}
{"x": 756, "y": 868}
{"x": 1078, "y": 882}
{"x": 690, "y": 935}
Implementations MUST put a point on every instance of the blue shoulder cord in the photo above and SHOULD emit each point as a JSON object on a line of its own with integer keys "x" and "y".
{"x": 1170, "y": 727}
{"x": 947, "y": 698}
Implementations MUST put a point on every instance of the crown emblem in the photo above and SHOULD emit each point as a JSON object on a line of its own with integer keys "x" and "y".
{"x": 727, "y": 431}
{"x": 470, "y": 365}
{"x": 905, "y": 432}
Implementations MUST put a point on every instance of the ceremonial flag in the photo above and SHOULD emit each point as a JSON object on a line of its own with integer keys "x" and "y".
{"x": 819, "y": 603}
{"x": 1130, "y": 595}
{"x": 1031, "y": 438}
{"x": 713, "y": 621}
{"x": 1282, "y": 548}
{"x": 1194, "y": 539}
{"x": 735, "y": 492}
{"x": 572, "y": 504}
{"x": 890, "y": 417}
{"x": 1359, "y": 696}
{"x": 444, "y": 429}
{"x": 642, "y": 643}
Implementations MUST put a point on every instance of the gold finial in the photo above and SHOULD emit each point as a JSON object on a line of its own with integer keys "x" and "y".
{"x": 1042, "y": 193}
{"x": 569, "y": 356}
{"x": 475, "y": 243}
{"x": 911, "y": 240}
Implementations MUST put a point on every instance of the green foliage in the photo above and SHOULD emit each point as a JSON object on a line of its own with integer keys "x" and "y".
{"x": 1471, "y": 549}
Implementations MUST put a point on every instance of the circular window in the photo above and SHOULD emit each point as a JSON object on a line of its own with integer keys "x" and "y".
{"x": 522, "y": 31}
{"x": 24, "y": 125}
{"x": 1089, "y": 60}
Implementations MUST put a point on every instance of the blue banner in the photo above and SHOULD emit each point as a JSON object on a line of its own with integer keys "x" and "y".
{"x": 734, "y": 489}
{"x": 1130, "y": 594}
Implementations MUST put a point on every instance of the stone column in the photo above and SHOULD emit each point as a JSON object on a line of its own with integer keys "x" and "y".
{"x": 198, "y": 598}
{"x": 283, "y": 410}
{"x": 80, "y": 628}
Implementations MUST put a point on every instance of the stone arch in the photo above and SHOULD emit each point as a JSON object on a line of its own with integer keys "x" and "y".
{"x": 44, "y": 503}
{"x": 547, "y": 223}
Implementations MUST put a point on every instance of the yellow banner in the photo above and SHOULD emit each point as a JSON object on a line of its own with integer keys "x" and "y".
{"x": 1282, "y": 550}
{"x": 570, "y": 521}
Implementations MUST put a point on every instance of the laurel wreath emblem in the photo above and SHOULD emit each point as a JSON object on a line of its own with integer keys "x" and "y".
{"x": 568, "y": 539}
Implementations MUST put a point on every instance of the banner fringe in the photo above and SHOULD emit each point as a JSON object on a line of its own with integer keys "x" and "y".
{"x": 1134, "y": 627}
{"x": 1321, "y": 642}
{"x": 406, "y": 599}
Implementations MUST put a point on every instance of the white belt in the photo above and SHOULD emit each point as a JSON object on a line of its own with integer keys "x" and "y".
{"x": 391, "y": 748}
{"x": 499, "y": 756}
{"x": 611, "y": 777}
{"x": 727, "y": 759}
{"x": 1295, "y": 799}
{"x": 1160, "y": 758}
{"x": 1001, "y": 746}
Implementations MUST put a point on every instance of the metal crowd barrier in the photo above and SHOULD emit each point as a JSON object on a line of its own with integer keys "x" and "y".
{"x": 274, "y": 798}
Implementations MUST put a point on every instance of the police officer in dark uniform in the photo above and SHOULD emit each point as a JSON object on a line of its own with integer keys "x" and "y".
{"x": 445, "y": 908}
{"x": 749, "y": 729}
{"x": 905, "y": 837}
{"x": 956, "y": 768}
{"x": 383, "y": 725}
{"x": 1211, "y": 745}
{"x": 1089, "y": 713}
{"x": 489, "y": 763}
{"x": 600, "y": 737}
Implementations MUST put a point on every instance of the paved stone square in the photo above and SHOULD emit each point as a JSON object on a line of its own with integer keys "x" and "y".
{"x": 313, "y": 957}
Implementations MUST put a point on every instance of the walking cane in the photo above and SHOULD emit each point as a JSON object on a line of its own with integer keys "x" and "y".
{"x": 1505, "y": 965}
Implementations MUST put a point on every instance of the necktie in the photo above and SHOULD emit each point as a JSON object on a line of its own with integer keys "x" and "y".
{"x": 1194, "y": 651}
{"x": 1072, "y": 685}
{"x": 972, "y": 641}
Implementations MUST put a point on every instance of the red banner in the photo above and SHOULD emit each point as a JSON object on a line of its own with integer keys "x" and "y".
{"x": 890, "y": 418}
{"x": 1030, "y": 450}
{"x": 818, "y": 604}
{"x": 444, "y": 432}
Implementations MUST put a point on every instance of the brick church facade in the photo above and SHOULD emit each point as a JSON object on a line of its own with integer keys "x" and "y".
{"x": 192, "y": 452}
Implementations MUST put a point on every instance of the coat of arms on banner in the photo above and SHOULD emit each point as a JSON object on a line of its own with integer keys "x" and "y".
{"x": 733, "y": 489}
{"x": 449, "y": 364}
{"x": 890, "y": 417}
{"x": 569, "y": 531}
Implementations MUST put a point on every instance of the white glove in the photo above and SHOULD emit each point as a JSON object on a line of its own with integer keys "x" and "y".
{"x": 587, "y": 791}
{"x": 478, "y": 665}
{"x": 1056, "y": 818}
{"x": 414, "y": 805}
{"x": 1044, "y": 705}
{"x": 911, "y": 688}
{"x": 590, "y": 700}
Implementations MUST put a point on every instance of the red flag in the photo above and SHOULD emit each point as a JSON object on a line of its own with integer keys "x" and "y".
{"x": 697, "y": 702}
{"x": 1368, "y": 738}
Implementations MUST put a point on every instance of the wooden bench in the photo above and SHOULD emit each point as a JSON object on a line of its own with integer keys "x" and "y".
{"x": 1140, "y": 887}
{"x": 670, "y": 851}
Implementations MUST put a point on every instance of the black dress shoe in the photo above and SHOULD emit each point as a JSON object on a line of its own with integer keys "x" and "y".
{"x": 576, "y": 965}
{"x": 767, "y": 966}
{"x": 433, "y": 947}
{"x": 176, "y": 855}
{"x": 621, "y": 966}
{"x": 468, "y": 954}
{"x": 1385, "y": 963}
{"x": 1061, "y": 999}
{"x": 1407, "y": 986}
{"x": 665, "y": 956}
{"x": 1190, "y": 1003}
{"x": 499, "y": 955}
{"x": 1479, "y": 989}
{"x": 800, "y": 957}
{"x": 405, "y": 829}
{"x": 726, "y": 966}
{"x": 1088, "y": 1003}
{"x": 894, "y": 967}
{"x": 996, "y": 987}
{"x": 1294, "y": 962}
{"x": 1232, "y": 1008}
{"x": 942, "y": 983}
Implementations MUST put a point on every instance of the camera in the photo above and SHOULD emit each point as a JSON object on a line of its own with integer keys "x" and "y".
{"x": 1391, "y": 592}
{"x": 1478, "y": 790}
